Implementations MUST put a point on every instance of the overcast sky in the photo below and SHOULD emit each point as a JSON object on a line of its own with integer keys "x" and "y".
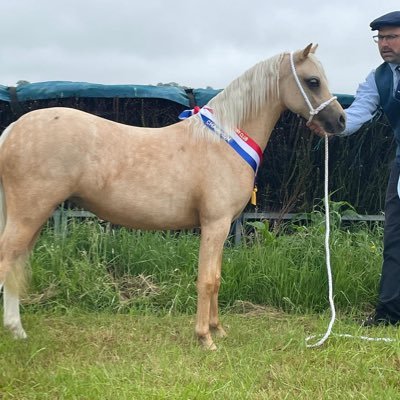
{"x": 194, "y": 43}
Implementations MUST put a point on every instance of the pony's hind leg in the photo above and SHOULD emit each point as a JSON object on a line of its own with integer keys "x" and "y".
{"x": 14, "y": 285}
{"x": 12, "y": 317}
{"x": 15, "y": 244}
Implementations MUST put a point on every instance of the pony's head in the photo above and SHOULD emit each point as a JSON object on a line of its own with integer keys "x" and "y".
{"x": 304, "y": 90}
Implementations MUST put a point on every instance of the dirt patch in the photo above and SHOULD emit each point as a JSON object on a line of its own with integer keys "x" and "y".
{"x": 247, "y": 308}
{"x": 132, "y": 287}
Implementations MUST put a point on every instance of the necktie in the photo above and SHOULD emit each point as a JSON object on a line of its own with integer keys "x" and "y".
{"x": 397, "y": 91}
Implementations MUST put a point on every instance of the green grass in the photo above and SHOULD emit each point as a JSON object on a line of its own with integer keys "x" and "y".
{"x": 103, "y": 356}
{"x": 110, "y": 315}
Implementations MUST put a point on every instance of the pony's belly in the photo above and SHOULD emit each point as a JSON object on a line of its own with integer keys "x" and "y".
{"x": 158, "y": 222}
{"x": 153, "y": 218}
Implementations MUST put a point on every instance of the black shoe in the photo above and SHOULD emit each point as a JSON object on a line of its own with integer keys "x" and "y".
{"x": 373, "y": 320}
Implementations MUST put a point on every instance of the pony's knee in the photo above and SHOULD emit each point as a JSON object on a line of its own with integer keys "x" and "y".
{"x": 205, "y": 288}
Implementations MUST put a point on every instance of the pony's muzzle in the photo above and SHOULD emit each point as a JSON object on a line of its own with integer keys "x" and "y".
{"x": 337, "y": 126}
{"x": 332, "y": 122}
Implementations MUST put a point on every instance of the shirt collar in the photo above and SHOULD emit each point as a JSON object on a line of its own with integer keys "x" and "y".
{"x": 393, "y": 67}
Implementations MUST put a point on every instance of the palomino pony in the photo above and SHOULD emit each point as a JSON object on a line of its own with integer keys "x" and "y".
{"x": 196, "y": 173}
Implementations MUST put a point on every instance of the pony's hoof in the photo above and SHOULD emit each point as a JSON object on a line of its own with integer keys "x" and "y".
{"x": 17, "y": 331}
{"x": 207, "y": 343}
{"x": 218, "y": 331}
{"x": 20, "y": 334}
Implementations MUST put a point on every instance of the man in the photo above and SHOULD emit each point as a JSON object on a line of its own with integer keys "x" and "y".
{"x": 381, "y": 89}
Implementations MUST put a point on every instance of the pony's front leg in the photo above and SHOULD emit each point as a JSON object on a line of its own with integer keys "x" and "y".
{"x": 12, "y": 317}
{"x": 213, "y": 236}
{"x": 215, "y": 324}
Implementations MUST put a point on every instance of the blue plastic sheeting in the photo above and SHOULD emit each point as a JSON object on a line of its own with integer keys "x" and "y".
{"x": 345, "y": 100}
{"x": 203, "y": 96}
{"x": 4, "y": 95}
{"x": 65, "y": 89}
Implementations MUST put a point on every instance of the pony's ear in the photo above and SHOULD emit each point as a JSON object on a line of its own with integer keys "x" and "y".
{"x": 306, "y": 51}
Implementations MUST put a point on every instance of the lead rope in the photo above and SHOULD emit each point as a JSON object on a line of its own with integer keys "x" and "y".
{"x": 327, "y": 253}
{"x": 329, "y": 270}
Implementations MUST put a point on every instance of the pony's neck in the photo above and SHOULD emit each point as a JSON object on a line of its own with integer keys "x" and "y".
{"x": 260, "y": 127}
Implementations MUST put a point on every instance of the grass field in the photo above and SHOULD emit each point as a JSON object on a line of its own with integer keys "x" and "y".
{"x": 110, "y": 315}
{"x": 103, "y": 356}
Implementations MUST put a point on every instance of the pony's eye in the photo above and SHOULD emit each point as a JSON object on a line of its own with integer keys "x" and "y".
{"x": 313, "y": 82}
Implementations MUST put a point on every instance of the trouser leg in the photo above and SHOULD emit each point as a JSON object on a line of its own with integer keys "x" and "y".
{"x": 388, "y": 307}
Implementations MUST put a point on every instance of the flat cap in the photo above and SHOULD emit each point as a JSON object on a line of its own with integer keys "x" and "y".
{"x": 391, "y": 19}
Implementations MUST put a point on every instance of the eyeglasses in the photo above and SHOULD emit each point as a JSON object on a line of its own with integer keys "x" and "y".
{"x": 381, "y": 38}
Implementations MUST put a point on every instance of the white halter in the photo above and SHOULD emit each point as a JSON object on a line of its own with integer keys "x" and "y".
{"x": 313, "y": 111}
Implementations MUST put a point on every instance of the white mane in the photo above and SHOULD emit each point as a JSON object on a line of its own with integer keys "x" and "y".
{"x": 244, "y": 96}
